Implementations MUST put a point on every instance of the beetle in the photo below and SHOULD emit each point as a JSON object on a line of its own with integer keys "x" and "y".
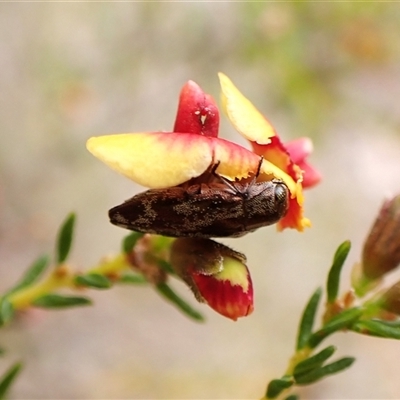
{"x": 217, "y": 208}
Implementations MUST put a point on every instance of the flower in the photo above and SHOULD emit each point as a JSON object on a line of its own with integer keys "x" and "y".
{"x": 216, "y": 274}
{"x": 265, "y": 142}
{"x": 167, "y": 159}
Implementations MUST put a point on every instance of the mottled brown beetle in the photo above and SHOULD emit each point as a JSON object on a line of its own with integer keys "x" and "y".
{"x": 218, "y": 208}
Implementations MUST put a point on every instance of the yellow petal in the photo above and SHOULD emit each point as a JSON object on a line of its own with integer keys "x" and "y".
{"x": 159, "y": 160}
{"x": 154, "y": 160}
{"x": 246, "y": 119}
{"x": 235, "y": 162}
{"x": 271, "y": 169}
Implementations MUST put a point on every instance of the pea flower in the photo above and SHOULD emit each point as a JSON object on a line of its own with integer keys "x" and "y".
{"x": 168, "y": 159}
{"x": 216, "y": 274}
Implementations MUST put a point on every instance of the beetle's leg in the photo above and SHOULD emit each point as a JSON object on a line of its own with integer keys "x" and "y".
{"x": 227, "y": 182}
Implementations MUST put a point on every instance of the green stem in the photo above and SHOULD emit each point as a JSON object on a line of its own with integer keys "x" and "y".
{"x": 63, "y": 277}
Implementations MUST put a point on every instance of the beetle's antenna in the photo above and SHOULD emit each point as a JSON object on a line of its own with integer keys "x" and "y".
{"x": 214, "y": 168}
{"x": 259, "y": 167}
{"x": 258, "y": 171}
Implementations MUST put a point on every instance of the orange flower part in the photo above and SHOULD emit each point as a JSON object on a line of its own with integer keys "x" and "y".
{"x": 265, "y": 142}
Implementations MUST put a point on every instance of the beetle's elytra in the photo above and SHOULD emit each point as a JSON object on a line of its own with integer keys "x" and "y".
{"x": 216, "y": 209}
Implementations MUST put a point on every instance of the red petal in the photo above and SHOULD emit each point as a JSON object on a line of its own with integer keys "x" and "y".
{"x": 276, "y": 153}
{"x": 197, "y": 112}
{"x": 227, "y": 299}
{"x": 299, "y": 150}
{"x": 311, "y": 176}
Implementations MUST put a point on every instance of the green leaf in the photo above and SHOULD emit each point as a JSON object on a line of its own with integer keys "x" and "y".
{"x": 65, "y": 237}
{"x": 277, "y": 386}
{"x": 58, "y": 301}
{"x": 378, "y": 328}
{"x": 292, "y": 397}
{"x": 393, "y": 324}
{"x": 340, "y": 321}
{"x": 33, "y": 273}
{"x": 6, "y": 311}
{"x": 169, "y": 294}
{"x": 313, "y": 362}
{"x": 132, "y": 279}
{"x": 8, "y": 378}
{"x": 307, "y": 320}
{"x": 166, "y": 266}
{"x": 95, "y": 281}
{"x": 129, "y": 242}
{"x": 333, "y": 282}
{"x": 329, "y": 369}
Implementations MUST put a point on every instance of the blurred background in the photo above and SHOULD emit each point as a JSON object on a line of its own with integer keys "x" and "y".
{"x": 69, "y": 71}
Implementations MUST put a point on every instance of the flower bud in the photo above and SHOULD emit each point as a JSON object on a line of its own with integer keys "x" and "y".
{"x": 216, "y": 274}
{"x": 381, "y": 252}
{"x": 390, "y": 300}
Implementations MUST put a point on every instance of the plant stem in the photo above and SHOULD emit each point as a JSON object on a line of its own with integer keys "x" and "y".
{"x": 63, "y": 277}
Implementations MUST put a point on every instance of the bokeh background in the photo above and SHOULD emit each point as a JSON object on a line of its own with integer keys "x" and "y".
{"x": 69, "y": 71}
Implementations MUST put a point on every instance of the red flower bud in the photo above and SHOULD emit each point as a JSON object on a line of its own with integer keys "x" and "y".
{"x": 216, "y": 274}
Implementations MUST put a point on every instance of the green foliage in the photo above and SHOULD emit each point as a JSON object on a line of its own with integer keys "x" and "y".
{"x": 313, "y": 362}
{"x": 166, "y": 266}
{"x": 64, "y": 238}
{"x": 94, "y": 281}
{"x": 129, "y": 241}
{"x": 277, "y": 386}
{"x": 307, "y": 320}
{"x": 132, "y": 279}
{"x": 32, "y": 275}
{"x": 8, "y": 378}
{"x": 344, "y": 320}
{"x": 59, "y": 301}
{"x": 332, "y": 287}
{"x": 6, "y": 311}
{"x": 329, "y": 369}
{"x": 375, "y": 327}
{"x": 309, "y": 371}
{"x": 170, "y": 295}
